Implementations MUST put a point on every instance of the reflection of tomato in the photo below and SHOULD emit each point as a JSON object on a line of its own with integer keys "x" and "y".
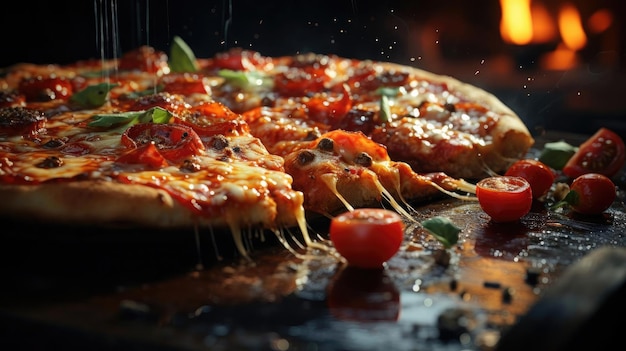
{"x": 367, "y": 237}
{"x": 174, "y": 142}
{"x": 591, "y": 193}
{"x": 604, "y": 153}
{"x": 363, "y": 295}
{"x": 501, "y": 241}
{"x": 540, "y": 176}
{"x": 504, "y": 198}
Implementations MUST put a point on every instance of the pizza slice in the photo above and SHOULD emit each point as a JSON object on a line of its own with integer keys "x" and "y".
{"x": 342, "y": 170}
{"x": 434, "y": 123}
{"x": 197, "y": 168}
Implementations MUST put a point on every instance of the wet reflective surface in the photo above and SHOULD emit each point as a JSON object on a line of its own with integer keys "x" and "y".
{"x": 123, "y": 288}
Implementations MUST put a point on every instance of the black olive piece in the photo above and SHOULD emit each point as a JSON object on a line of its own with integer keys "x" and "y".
{"x": 50, "y": 162}
{"x": 305, "y": 157}
{"x": 449, "y": 107}
{"x": 312, "y": 135}
{"x": 268, "y": 101}
{"x": 53, "y": 144}
{"x": 219, "y": 142}
{"x": 326, "y": 144}
{"x": 363, "y": 159}
{"x": 189, "y": 166}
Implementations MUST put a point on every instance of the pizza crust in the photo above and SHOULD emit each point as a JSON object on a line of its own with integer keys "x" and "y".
{"x": 115, "y": 204}
{"x": 510, "y": 139}
{"x": 469, "y": 91}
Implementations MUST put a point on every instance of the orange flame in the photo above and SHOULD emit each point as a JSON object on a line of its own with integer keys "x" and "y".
{"x": 573, "y": 39}
{"x": 524, "y": 22}
{"x": 571, "y": 29}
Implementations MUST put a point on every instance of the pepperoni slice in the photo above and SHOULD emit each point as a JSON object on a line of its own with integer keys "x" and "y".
{"x": 21, "y": 121}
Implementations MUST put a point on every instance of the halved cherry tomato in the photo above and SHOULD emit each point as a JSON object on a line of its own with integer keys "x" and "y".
{"x": 538, "y": 174}
{"x": 367, "y": 237}
{"x": 591, "y": 193}
{"x": 504, "y": 198}
{"x": 173, "y": 141}
{"x": 604, "y": 153}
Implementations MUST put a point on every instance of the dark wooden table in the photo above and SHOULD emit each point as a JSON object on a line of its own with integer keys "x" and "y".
{"x": 138, "y": 289}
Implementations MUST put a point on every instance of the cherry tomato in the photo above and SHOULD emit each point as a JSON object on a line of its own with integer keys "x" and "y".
{"x": 504, "y": 198}
{"x": 604, "y": 153}
{"x": 591, "y": 193}
{"x": 538, "y": 174}
{"x": 173, "y": 141}
{"x": 367, "y": 237}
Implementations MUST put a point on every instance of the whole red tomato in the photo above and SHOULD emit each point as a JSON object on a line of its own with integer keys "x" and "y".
{"x": 367, "y": 237}
{"x": 591, "y": 194}
{"x": 603, "y": 153}
{"x": 504, "y": 198}
{"x": 538, "y": 174}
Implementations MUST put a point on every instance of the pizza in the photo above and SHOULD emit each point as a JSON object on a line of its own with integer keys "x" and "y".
{"x": 240, "y": 140}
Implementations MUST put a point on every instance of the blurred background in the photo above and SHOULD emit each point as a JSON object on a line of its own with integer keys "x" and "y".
{"x": 560, "y": 64}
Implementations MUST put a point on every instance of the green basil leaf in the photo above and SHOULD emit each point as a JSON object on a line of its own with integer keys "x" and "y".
{"x": 154, "y": 115}
{"x": 182, "y": 58}
{"x": 556, "y": 154}
{"x": 385, "y": 112}
{"x": 93, "y": 95}
{"x": 443, "y": 229}
{"x": 388, "y": 91}
{"x": 113, "y": 119}
{"x": 246, "y": 80}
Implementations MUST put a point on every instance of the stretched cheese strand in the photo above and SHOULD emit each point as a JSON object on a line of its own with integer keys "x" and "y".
{"x": 330, "y": 180}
